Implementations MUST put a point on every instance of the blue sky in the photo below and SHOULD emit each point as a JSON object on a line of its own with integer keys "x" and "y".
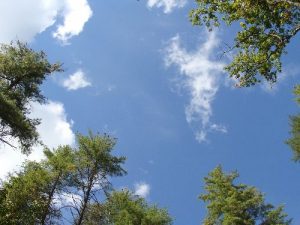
{"x": 139, "y": 71}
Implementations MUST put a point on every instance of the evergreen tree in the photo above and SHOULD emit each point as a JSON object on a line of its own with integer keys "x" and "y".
{"x": 36, "y": 194}
{"x": 124, "y": 207}
{"x": 94, "y": 165}
{"x": 22, "y": 71}
{"x": 24, "y": 198}
{"x": 294, "y": 140}
{"x": 237, "y": 204}
{"x": 60, "y": 165}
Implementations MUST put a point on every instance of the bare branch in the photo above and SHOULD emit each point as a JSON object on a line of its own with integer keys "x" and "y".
{"x": 6, "y": 142}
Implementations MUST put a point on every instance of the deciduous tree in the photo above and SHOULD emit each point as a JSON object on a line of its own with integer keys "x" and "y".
{"x": 266, "y": 28}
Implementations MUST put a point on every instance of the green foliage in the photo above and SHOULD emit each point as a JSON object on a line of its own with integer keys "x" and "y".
{"x": 25, "y": 200}
{"x": 3, "y": 194}
{"x": 27, "y": 197}
{"x": 94, "y": 165}
{"x": 237, "y": 204}
{"x": 266, "y": 27}
{"x": 31, "y": 195}
{"x": 124, "y": 208}
{"x": 294, "y": 140}
{"x": 94, "y": 154}
{"x": 59, "y": 165}
{"x": 96, "y": 214}
{"x": 22, "y": 71}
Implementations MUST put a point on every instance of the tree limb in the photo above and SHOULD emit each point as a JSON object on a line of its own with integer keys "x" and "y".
{"x": 297, "y": 4}
{"x": 6, "y": 142}
{"x": 296, "y": 29}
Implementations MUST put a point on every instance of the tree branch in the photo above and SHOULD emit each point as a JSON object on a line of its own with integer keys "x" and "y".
{"x": 6, "y": 142}
{"x": 296, "y": 29}
{"x": 297, "y": 4}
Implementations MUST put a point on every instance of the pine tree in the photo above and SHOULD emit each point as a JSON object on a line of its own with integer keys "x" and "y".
{"x": 22, "y": 71}
{"x": 237, "y": 204}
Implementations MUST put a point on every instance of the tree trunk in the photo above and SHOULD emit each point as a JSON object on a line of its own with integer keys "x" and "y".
{"x": 86, "y": 199}
{"x": 50, "y": 198}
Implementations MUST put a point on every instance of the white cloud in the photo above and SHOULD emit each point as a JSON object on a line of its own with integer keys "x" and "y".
{"x": 200, "y": 76}
{"x": 76, "y": 14}
{"x": 54, "y": 130}
{"x": 23, "y": 20}
{"x": 142, "y": 189}
{"x": 168, "y": 5}
{"x": 218, "y": 127}
{"x": 76, "y": 81}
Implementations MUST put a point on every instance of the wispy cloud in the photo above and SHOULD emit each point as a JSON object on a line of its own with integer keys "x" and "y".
{"x": 76, "y": 81}
{"x": 142, "y": 189}
{"x": 168, "y": 5}
{"x": 200, "y": 77}
{"x": 54, "y": 130}
{"x": 32, "y": 17}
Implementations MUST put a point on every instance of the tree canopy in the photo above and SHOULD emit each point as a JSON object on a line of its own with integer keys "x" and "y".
{"x": 123, "y": 207}
{"x": 237, "y": 204}
{"x": 25, "y": 197}
{"x": 22, "y": 71}
{"x": 266, "y": 27}
{"x": 94, "y": 165}
{"x": 71, "y": 186}
{"x": 294, "y": 140}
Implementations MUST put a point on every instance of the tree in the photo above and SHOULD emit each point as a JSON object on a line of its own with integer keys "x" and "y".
{"x": 24, "y": 200}
{"x": 294, "y": 140}
{"x": 266, "y": 27}
{"x": 60, "y": 166}
{"x": 237, "y": 204}
{"x": 94, "y": 165}
{"x": 3, "y": 194}
{"x": 28, "y": 196}
{"x": 124, "y": 207}
{"x": 36, "y": 194}
{"x": 22, "y": 71}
